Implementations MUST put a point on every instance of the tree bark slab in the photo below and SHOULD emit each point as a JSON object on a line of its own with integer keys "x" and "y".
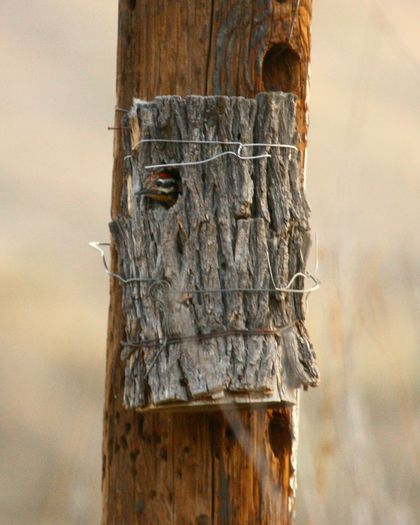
{"x": 234, "y": 220}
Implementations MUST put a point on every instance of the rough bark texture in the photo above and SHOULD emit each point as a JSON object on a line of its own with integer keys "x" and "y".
{"x": 230, "y": 468}
{"x": 233, "y": 217}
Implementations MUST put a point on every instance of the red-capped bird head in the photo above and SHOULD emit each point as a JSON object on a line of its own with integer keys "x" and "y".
{"x": 162, "y": 186}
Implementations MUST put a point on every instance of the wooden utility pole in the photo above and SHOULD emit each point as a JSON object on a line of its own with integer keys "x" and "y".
{"x": 199, "y": 468}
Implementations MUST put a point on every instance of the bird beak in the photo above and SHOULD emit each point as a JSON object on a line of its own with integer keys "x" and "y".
{"x": 143, "y": 191}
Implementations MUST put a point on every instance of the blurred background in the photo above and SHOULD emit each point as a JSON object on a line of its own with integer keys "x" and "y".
{"x": 359, "y": 446}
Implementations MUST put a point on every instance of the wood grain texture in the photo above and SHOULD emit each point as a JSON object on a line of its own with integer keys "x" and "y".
{"x": 198, "y": 468}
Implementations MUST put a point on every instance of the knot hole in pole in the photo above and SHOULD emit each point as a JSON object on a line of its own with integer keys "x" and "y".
{"x": 279, "y": 435}
{"x": 281, "y": 66}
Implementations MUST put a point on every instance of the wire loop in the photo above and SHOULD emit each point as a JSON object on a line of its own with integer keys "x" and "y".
{"x": 282, "y": 289}
{"x": 237, "y": 153}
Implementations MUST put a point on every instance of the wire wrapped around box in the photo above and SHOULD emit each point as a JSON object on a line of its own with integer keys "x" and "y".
{"x": 238, "y": 224}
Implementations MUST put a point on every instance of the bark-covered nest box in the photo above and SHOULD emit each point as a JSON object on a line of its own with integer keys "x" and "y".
{"x": 204, "y": 323}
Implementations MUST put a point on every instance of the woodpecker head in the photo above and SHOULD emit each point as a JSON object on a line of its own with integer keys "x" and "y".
{"x": 162, "y": 186}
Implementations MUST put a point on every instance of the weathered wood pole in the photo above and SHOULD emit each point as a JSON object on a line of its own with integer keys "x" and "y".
{"x": 198, "y": 468}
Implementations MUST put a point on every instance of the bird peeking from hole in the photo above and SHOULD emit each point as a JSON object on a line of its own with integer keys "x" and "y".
{"x": 163, "y": 187}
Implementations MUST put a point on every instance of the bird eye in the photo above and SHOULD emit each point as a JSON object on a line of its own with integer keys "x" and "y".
{"x": 165, "y": 183}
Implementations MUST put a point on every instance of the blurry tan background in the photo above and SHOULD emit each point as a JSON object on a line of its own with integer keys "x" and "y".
{"x": 360, "y": 430}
